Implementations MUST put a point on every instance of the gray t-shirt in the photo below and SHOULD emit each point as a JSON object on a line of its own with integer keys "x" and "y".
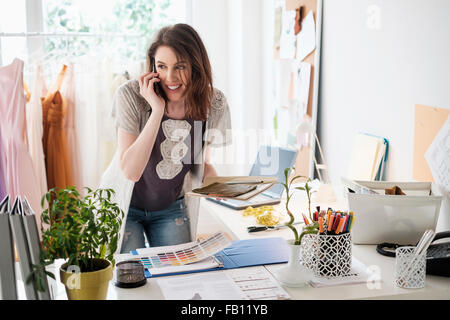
{"x": 178, "y": 142}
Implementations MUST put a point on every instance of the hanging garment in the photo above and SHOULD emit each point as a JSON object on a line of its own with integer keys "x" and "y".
{"x": 35, "y": 129}
{"x": 89, "y": 99}
{"x": 57, "y": 162}
{"x": 2, "y": 170}
{"x": 20, "y": 179}
{"x": 68, "y": 94}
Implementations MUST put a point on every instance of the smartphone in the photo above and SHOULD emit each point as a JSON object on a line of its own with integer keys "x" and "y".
{"x": 156, "y": 87}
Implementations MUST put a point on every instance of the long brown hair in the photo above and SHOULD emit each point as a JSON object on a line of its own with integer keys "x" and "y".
{"x": 188, "y": 46}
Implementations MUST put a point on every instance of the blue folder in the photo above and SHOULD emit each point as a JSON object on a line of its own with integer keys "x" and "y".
{"x": 245, "y": 253}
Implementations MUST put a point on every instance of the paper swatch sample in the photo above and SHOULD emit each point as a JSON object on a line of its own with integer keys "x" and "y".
{"x": 225, "y": 190}
{"x": 306, "y": 39}
{"x": 181, "y": 258}
{"x": 438, "y": 156}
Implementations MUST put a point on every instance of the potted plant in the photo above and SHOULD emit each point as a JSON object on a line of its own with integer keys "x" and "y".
{"x": 83, "y": 231}
{"x": 295, "y": 274}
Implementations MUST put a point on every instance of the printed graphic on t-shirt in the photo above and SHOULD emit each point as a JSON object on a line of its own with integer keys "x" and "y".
{"x": 173, "y": 148}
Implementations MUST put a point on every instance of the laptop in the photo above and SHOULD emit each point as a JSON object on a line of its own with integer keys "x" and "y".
{"x": 270, "y": 161}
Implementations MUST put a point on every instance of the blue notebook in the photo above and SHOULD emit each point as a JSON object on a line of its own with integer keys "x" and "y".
{"x": 245, "y": 253}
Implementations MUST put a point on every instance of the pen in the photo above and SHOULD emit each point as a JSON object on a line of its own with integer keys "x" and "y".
{"x": 264, "y": 228}
{"x": 328, "y": 217}
{"x": 353, "y": 221}
{"x": 341, "y": 225}
{"x": 321, "y": 225}
{"x": 330, "y": 224}
{"x": 336, "y": 222}
{"x": 245, "y": 182}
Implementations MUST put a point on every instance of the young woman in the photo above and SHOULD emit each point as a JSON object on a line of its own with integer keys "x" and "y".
{"x": 167, "y": 121}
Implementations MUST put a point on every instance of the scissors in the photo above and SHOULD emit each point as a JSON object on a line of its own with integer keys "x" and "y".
{"x": 264, "y": 228}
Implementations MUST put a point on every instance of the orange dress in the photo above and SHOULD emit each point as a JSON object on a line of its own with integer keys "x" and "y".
{"x": 57, "y": 161}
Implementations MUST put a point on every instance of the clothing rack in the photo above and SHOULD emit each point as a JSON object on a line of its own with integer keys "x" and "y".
{"x": 67, "y": 34}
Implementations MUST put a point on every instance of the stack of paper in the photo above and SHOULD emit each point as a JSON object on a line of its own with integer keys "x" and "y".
{"x": 368, "y": 158}
{"x": 237, "y": 284}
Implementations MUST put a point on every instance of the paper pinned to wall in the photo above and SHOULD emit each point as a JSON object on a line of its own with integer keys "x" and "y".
{"x": 428, "y": 121}
{"x": 303, "y": 82}
{"x": 287, "y": 38}
{"x": 438, "y": 156}
{"x": 306, "y": 39}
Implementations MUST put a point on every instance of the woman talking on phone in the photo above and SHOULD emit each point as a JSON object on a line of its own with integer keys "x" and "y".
{"x": 167, "y": 120}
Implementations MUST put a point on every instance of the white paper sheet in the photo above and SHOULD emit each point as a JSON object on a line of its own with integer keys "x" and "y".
{"x": 438, "y": 157}
{"x": 287, "y": 38}
{"x": 302, "y": 88}
{"x": 359, "y": 273}
{"x": 257, "y": 284}
{"x": 306, "y": 39}
{"x": 215, "y": 285}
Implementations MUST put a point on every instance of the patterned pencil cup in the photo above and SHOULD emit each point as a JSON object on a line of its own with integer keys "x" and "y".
{"x": 410, "y": 269}
{"x": 334, "y": 255}
{"x": 308, "y": 251}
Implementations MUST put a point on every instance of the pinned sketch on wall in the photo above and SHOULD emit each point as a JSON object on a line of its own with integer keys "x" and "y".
{"x": 287, "y": 38}
{"x": 283, "y": 73}
{"x": 298, "y": 102}
{"x": 438, "y": 156}
{"x": 277, "y": 31}
{"x": 306, "y": 39}
{"x": 302, "y": 86}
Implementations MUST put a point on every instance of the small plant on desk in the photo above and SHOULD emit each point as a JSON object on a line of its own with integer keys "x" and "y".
{"x": 84, "y": 231}
{"x": 313, "y": 227}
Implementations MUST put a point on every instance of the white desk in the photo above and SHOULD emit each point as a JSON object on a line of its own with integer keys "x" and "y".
{"x": 235, "y": 225}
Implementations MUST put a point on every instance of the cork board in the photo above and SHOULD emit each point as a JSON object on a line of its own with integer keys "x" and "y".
{"x": 427, "y": 123}
{"x": 304, "y": 162}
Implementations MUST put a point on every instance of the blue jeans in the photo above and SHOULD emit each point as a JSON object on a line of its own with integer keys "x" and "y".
{"x": 162, "y": 228}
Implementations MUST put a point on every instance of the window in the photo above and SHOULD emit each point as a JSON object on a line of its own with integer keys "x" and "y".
{"x": 100, "y": 18}
{"x": 12, "y": 20}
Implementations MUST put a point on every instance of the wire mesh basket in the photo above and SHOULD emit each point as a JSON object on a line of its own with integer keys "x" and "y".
{"x": 308, "y": 251}
{"x": 410, "y": 268}
{"x": 333, "y": 256}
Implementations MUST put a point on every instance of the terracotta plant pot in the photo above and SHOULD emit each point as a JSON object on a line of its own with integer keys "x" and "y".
{"x": 87, "y": 285}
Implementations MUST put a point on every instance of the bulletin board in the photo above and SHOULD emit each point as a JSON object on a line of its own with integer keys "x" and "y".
{"x": 304, "y": 163}
{"x": 428, "y": 121}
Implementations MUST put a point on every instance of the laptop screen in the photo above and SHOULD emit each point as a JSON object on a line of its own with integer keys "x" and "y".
{"x": 271, "y": 161}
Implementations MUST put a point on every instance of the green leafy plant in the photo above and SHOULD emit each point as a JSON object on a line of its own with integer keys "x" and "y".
{"x": 313, "y": 227}
{"x": 77, "y": 229}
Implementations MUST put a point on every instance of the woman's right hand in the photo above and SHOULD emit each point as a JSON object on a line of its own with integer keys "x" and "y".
{"x": 146, "y": 90}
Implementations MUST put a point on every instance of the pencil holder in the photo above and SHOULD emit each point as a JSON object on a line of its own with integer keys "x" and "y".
{"x": 333, "y": 255}
{"x": 410, "y": 268}
{"x": 308, "y": 251}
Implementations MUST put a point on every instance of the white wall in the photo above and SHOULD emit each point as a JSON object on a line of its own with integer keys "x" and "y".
{"x": 374, "y": 69}
{"x": 234, "y": 33}
{"x": 371, "y": 79}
